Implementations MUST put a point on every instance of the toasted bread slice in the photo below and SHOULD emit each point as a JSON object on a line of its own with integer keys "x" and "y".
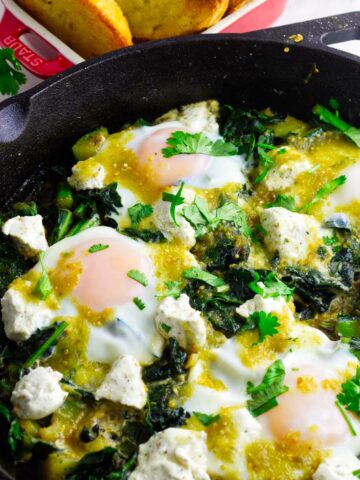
{"x": 235, "y": 4}
{"x": 90, "y": 27}
{"x": 154, "y": 19}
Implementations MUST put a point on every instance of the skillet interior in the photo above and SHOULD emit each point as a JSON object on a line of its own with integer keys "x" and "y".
{"x": 145, "y": 81}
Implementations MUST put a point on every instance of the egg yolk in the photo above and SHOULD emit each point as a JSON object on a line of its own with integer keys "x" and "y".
{"x": 308, "y": 408}
{"x": 103, "y": 281}
{"x": 167, "y": 171}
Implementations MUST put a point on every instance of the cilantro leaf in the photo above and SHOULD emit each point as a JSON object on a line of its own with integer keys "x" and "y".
{"x": 165, "y": 327}
{"x": 350, "y": 394}
{"x": 139, "y": 303}
{"x": 11, "y": 77}
{"x": 266, "y": 161}
{"x": 324, "y": 191}
{"x": 205, "y": 419}
{"x": 98, "y": 247}
{"x": 187, "y": 143}
{"x": 139, "y": 211}
{"x": 174, "y": 290}
{"x": 263, "y": 396}
{"x": 284, "y": 201}
{"x": 195, "y": 273}
{"x": 356, "y": 473}
{"x": 200, "y": 217}
{"x": 270, "y": 287}
{"x": 138, "y": 277}
{"x": 328, "y": 241}
{"x": 43, "y": 287}
{"x": 175, "y": 201}
{"x": 332, "y": 119}
{"x": 266, "y": 323}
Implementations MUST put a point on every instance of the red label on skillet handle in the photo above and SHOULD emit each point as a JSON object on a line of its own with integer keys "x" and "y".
{"x": 11, "y": 29}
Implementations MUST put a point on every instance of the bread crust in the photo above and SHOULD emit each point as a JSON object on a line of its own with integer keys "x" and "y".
{"x": 235, "y": 5}
{"x": 155, "y": 19}
{"x": 90, "y": 27}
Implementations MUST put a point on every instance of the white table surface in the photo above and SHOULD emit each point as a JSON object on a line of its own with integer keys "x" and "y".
{"x": 296, "y": 11}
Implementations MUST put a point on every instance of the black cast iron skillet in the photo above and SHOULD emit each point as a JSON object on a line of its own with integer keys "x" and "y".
{"x": 252, "y": 70}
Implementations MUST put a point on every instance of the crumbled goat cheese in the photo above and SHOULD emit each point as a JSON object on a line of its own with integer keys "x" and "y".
{"x": 28, "y": 233}
{"x": 124, "y": 383}
{"x": 21, "y": 318}
{"x": 87, "y": 175}
{"x": 38, "y": 394}
{"x": 177, "y": 319}
{"x": 284, "y": 176}
{"x": 174, "y": 454}
{"x": 289, "y": 233}
{"x": 260, "y": 304}
{"x": 198, "y": 117}
{"x": 338, "y": 467}
{"x": 164, "y": 222}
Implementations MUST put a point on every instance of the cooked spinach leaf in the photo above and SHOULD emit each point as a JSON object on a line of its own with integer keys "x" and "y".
{"x": 11, "y": 432}
{"x": 152, "y": 236}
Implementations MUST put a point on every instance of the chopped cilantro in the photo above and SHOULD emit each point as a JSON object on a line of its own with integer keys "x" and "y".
{"x": 350, "y": 394}
{"x": 188, "y": 143}
{"x": 270, "y": 287}
{"x": 43, "y": 287}
{"x": 330, "y": 240}
{"x": 346, "y": 418}
{"x": 174, "y": 290}
{"x": 205, "y": 419}
{"x": 175, "y": 201}
{"x": 356, "y": 473}
{"x": 266, "y": 323}
{"x": 138, "y": 277}
{"x": 263, "y": 396}
{"x": 139, "y": 211}
{"x": 139, "y": 303}
{"x": 195, "y": 273}
{"x": 165, "y": 327}
{"x": 266, "y": 161}
{"x": 11, "y": 77}
{"x": 97, "y": 248}
{"x": 284, "y": 201}
{"x": 199, "y": 216}
{"x": 332, "y": 119}
{"x": 324, "y": 191}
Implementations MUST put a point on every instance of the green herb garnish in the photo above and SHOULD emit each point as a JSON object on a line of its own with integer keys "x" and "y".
{"x": 139, "y": 303}
{"x": 266, "y": 323}
{"x": 174, "y": 289}
{"x": 332, "y": 119}
{"x": 195, "y": 273}
{"x": 43, "y": 287}
{"x": 263, "y": 396}
{"x": 138, "y": 277}
{"x": 356, "y": 473}
{"x": 271, "y": 286}
{"x": 165, "y": 327}
{"x": 324, "y": 191}
{"x": 284, "y": 201}
{"x": 139, "y": 211}
{"x": 14, "y": 433}
{"x": 175, "y": 201}
{"x": 205, "y": 419}
{"x": 11, "y": 77}
{"x": 350, "y": 394}
{"x": 346, "y": 418}
{"x": 98, "y": 248}
{"x": 188, "y": 143}
{"x": 46, "y": 345}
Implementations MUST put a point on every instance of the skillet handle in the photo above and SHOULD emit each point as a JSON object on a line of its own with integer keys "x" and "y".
{"x": 317, "y": 33}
